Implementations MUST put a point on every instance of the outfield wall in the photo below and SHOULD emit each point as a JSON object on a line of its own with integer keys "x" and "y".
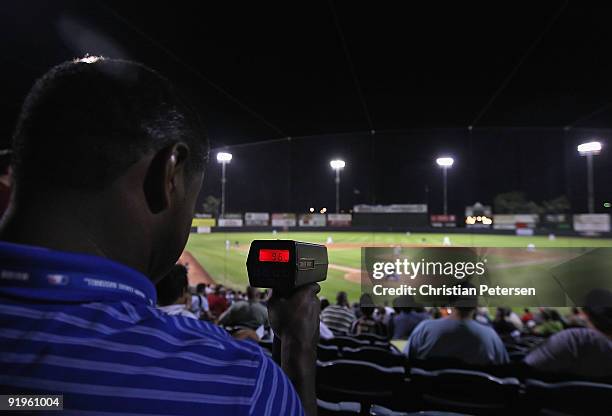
{"x": 592, "y": 225}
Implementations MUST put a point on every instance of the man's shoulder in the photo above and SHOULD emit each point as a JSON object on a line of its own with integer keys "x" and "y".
{"x": 197, "y": 334}
{"x": 580, "y": 336}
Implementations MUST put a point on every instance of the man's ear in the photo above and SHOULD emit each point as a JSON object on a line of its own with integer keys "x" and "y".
{"x": 165, "y": 177}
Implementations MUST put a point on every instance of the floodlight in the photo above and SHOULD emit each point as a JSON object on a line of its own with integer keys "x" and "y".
{"x": 224, "y": 157}
{"x": 337, "y": 164}
{"x": 445, "y": 162}
{"x": 592, "y": 148}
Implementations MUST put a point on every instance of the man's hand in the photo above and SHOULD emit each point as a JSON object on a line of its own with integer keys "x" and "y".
{"x": 296, "y": 318}
{"x": 295, "y": 321}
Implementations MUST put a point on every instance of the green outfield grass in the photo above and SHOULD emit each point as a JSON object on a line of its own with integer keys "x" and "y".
{"x": 228, "y": 266}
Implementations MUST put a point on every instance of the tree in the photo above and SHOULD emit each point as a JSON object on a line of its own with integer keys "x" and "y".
{"x": 211, "y": 205}
{"x": 515, "y": 202}
{"x": 558, "y": 205}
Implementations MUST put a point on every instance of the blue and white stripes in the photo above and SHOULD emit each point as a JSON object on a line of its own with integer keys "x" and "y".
{"x": 119, "y": 355}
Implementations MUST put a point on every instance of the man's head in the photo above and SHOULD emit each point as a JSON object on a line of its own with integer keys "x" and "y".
{"x": 114, "y": 135}
{"x": 599, "y": 310}
{"x": 252, "y": 294}
{"x": 366, "y": 305}
{"x": 201, "y": 288}
{"x": 172, "y": 288}
{"x": 342, "y": 299}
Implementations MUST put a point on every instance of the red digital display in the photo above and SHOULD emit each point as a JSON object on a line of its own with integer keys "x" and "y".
{"x": 275, "y": 256}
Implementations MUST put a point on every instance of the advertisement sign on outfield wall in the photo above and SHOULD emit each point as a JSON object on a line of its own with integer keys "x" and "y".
{"x": 592, "y": 223}
{"x": 257, "y": 219}
{"x": 230, "y": 222}
{"x": 283, "y": 220}
{"x": 312, "y": 220}
{"x": 391, "y": 209}
{"x": 339, "y": 220}
{"x": 203, "y": 222}
{"x": 514, "y": 221}
{"x": 440, "y": 220}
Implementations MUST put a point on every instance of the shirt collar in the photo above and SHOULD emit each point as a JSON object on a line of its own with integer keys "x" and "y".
{"x": 42, "y": 274}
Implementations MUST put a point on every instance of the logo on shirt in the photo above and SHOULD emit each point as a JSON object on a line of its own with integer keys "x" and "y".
{"x": 57, "y": 279}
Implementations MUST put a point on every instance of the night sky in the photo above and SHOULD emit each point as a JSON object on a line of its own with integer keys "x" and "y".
{"x": 387, "y": 86}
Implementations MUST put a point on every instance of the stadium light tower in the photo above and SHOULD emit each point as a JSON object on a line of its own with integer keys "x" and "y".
{"x": 336, "y": 165}
{"x": 445, "y": 163}
{"x": 224, "y": 158}
{"x": 589, "y": 149}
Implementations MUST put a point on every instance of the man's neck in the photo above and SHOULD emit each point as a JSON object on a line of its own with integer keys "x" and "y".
{"x": 76, "y": 229}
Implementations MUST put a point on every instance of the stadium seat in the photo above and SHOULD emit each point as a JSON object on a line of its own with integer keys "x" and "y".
{"x": 359, "y": 381}
{"x": 375, "y": 355}
{"x": 466, "y": 391}
{"x": 569, "y": 398}
{"x": 343, "y": 341}
{"x": 327, "y": 352}
{"x": 338, "y": 409}
{"x": 371, "y": 338}
{"x": 376, "y": 410}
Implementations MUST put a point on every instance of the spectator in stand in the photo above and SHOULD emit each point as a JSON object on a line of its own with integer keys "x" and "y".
{"x": 173, "y": 293}
{"x": 356, "y": 309}
{"x": 217, "y": 302}
{"x": 503, "y": 324}
{"x": 199, "y": 303}
{"x": 5, "y": 179}
{"x": 551, "y": 323}
{"x": 324, "y": 304}
{"x": 338, "y": 317}
{"x": 527, "y": 316}
{"x": 366, "y": 324}
{"x": 248, "y": 313}
{"x": 576, "y": 319}
{"x": 482, "y": 316}
{"x": 585, "y": 352}
{"x": 108, "y": 163}
{"x": 406, "y": 317}
{"x": 458, "y": 336}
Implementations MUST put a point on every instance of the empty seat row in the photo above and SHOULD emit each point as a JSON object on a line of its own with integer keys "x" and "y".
{"x": 456, "y": 390}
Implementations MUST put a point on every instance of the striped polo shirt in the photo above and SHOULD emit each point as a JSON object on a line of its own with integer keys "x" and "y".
{"x": 338, "y": 318}
{"x": 87, "y": 327}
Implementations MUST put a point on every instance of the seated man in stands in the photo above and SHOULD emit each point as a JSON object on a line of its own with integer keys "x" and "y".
{"x": 217, "y": 302}
{"x": 407, "y": 316}
{"x": 173, "y": 293}
{"x": 366, "y": 324}
{"x": 551, "y": 323}
{"x": 108, "y": 164}
{"x": 199, "y": 303}
{"x": 585, "y": 352}
{"x": 249, "y": 314}
{"x": 339, "y": 317}
{"x": 458, "y": 337}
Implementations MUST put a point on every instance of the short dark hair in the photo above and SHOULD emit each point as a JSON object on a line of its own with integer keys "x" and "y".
{"x": 172, "y": 286}
{"x": 86, "y": 121}
{"x": 6, "y": 156}
{"x": 598, "y": 307}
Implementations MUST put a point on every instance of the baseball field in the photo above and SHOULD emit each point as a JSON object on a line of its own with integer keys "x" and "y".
{"x": 223, "y": 255}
